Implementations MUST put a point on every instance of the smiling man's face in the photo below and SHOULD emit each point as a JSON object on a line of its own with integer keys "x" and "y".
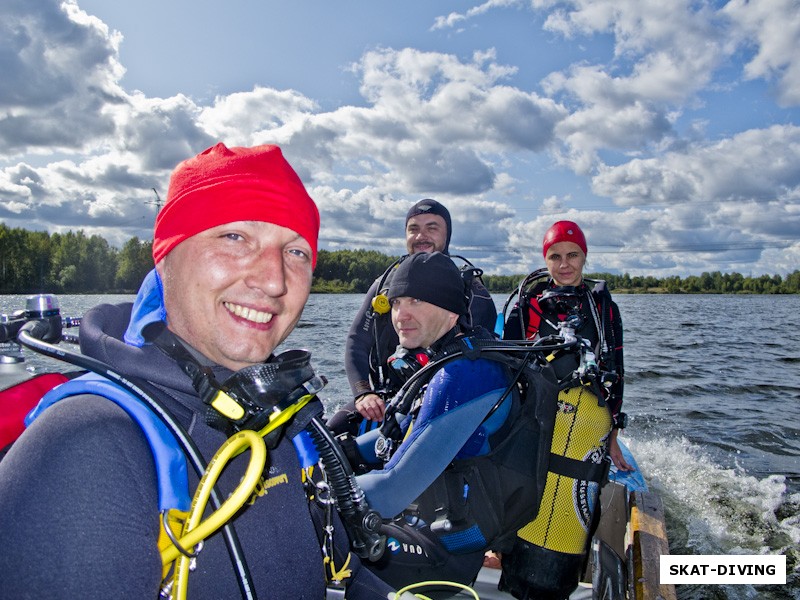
{"x": 234, "y": 292}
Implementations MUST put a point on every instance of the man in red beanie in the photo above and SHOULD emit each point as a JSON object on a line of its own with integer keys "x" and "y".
{"x": 81, "y": 490}
{"x": 244, "y": 215}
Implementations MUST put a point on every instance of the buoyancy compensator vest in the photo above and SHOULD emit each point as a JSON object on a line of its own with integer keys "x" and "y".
{"x": 250, "y": 398}
{"x": 479, "y": 502}
{"x": 540, "y": 305}
{"x": 548, "y": 555}
{"x": 170, "y": 461}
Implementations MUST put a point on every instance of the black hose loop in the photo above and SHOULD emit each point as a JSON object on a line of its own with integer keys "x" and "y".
{"x": 363, "y": 523}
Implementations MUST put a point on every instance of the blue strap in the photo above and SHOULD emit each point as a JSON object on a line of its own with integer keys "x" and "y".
{"x": 171, "y": 470}
{"x": 366, "y": 425}
{"x": 306, "y": 450}
{"x": 499, "y": 325}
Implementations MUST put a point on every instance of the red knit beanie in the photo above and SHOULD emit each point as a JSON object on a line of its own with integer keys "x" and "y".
{"x": 564, "y": 231}
{"x": 222, "y": 185}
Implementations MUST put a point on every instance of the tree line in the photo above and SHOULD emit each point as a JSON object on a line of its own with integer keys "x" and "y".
{"x": 706, "y": 283}
{"x": 72, "y": 263}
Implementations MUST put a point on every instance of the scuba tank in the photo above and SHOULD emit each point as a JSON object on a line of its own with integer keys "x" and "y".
{"x": 549, "y": 553}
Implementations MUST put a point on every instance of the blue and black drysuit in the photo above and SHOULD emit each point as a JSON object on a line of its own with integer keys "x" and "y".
{"x": 450, "y": 427}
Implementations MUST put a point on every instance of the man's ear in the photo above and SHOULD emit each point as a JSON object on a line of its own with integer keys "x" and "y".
{"x": 453, "y": 318}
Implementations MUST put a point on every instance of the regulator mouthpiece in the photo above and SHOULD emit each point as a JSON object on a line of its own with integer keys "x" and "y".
{"x": 269, "y": 394}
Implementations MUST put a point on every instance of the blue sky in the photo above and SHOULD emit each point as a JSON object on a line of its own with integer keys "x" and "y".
{"x": 668, "y": 130}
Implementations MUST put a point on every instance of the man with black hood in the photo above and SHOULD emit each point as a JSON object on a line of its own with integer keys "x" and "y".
{"x": 454, "y": 466}
{"x": 372, "y": 340}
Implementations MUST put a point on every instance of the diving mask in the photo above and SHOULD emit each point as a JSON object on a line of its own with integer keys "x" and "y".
{"x": 563, "y": 300}
{"x": 269, "y": 394}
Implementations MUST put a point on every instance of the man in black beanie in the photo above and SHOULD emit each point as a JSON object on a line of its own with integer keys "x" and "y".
{"x": 372, "y": 339}
{"x": 460, "y": 415}
{"x": 429, "y": 277}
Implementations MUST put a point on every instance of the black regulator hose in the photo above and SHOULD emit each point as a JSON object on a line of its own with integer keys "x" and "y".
{"x": 466, "y": 346}
{"x": 362, "y": 522}
{"x": 28, "y": 337}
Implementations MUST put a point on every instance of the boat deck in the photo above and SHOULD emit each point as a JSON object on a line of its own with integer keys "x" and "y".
{"x": 486, "y": 588}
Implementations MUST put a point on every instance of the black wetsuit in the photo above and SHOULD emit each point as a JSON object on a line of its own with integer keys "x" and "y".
{"x": 78, "y": 499}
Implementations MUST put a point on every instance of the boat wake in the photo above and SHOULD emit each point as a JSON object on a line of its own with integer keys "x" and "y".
{"x": 716, "y": 510}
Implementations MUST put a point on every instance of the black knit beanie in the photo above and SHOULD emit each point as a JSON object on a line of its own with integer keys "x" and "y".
{"x": 431, "y": 277}
{"x": 432, "y": 207}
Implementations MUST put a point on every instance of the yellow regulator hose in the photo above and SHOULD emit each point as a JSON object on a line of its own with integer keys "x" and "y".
{"x": 195, "y": 530}
{"x": 437, "y": 584}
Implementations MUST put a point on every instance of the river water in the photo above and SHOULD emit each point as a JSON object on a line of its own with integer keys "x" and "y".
{"x": 713, "y": 393}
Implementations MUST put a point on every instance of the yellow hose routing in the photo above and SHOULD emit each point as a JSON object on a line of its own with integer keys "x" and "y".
{"x": 334, "y": 573}
{"x": 194, "y": 530}
{"x": 436, "y": 584}
{"x": 280, "y": 417}
{"x": 187, "y": 530}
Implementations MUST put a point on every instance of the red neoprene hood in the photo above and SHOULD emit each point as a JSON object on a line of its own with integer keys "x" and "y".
{"x": 563, "y": 231}
{"x": 222, "y": 185}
